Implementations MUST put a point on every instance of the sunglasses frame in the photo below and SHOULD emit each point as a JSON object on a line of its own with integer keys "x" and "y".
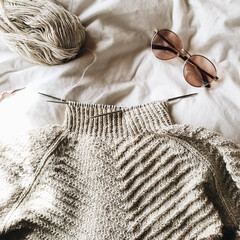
{"x": 184, "y": 55}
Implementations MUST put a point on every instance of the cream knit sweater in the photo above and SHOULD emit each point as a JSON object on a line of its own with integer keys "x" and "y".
{"x": 130, "y": 175}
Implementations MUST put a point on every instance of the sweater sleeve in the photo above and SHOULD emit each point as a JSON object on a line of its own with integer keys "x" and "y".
{"x": 19, "y": 163}
{"x": 224, "y": 157}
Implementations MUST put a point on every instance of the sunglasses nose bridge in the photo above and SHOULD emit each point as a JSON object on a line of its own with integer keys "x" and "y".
{"x": 184, "y": 54}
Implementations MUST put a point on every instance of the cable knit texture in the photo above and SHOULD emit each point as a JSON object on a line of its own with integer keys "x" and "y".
{"x": 129, "y": 175}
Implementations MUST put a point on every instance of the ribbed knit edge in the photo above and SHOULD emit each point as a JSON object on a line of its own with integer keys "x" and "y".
{"x": 130, "y": 120}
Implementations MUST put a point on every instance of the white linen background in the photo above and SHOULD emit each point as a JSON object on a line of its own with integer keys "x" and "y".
{"x": 126, "y": 72}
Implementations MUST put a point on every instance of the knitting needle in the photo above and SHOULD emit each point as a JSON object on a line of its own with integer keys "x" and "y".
{"x": 63, "y": 101}
{"x": 169, "y": 100}
{"x": 104, "y": 114}
{"x": 47, "y": 95}
{"x": 183, "y": 96}
{"x": 66, "y": 102}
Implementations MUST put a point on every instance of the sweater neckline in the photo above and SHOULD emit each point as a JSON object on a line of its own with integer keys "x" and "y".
{"x": 127, "y": 121}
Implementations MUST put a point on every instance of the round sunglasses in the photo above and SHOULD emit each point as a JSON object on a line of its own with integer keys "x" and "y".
{"x": 198, "y": 70}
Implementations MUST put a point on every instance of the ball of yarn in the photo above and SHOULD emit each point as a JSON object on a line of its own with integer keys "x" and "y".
{"x": 41, "y": 31}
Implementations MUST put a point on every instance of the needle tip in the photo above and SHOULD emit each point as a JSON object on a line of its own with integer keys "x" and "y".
{"x": 183, "y": 96}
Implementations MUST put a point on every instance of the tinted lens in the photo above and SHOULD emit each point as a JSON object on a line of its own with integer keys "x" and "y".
{"x": 199, "y": 71}
{"x": 166, "y": 44}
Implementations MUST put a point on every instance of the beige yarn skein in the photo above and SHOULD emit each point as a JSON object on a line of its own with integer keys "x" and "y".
{"x": 41, "y": 31}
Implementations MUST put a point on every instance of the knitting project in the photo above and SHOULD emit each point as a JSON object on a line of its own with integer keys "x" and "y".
{"x": 129, "y": 175}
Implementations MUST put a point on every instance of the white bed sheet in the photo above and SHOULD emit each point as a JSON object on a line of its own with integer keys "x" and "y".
{"x": 125, "y": 72}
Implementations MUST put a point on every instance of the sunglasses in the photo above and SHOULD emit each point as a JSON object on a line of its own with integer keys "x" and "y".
{"x": 198, "y": 70}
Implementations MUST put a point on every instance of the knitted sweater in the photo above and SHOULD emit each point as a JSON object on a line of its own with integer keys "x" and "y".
{"x": 129, "y": 175}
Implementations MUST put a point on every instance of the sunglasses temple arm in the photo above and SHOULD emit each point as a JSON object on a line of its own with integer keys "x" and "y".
{"x": 184, "y": 58}
{"x": 166, "y": 40}
{"x": 163, "y": 48}
{"x": 177, "y": 51}
{"x": 204, "y": 79}
{"x": 200, "y": 69}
